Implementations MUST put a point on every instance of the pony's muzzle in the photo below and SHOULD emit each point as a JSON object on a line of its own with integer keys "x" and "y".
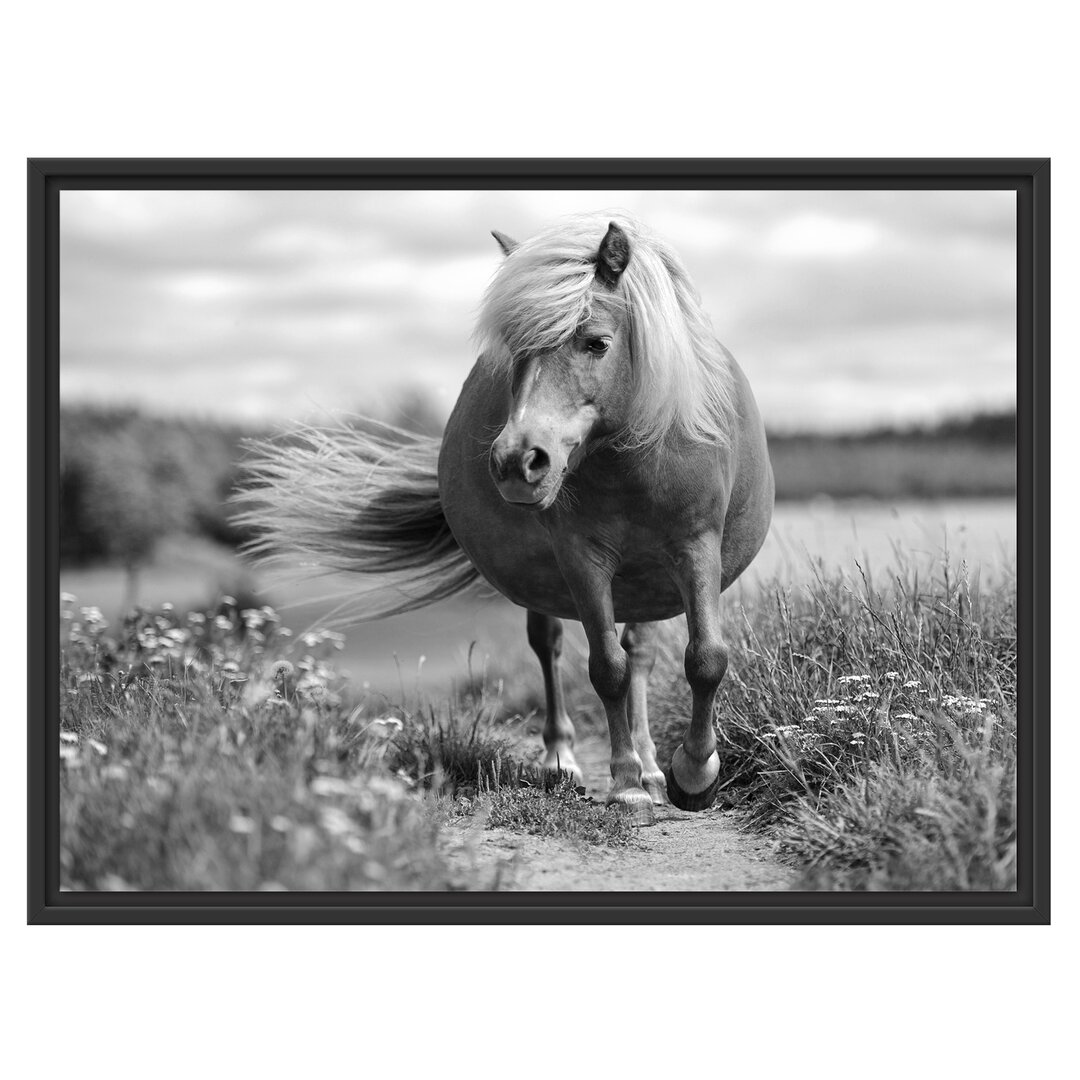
{"x": 519, "y": 472}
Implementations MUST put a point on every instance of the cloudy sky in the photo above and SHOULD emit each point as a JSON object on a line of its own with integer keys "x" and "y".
{"x": 844, "y": 308}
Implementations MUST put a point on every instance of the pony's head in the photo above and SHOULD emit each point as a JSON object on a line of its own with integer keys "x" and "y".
{"x": 599, "y": 336}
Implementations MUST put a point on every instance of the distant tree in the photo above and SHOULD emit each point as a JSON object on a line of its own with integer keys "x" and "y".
{"x": 131, "y": 500}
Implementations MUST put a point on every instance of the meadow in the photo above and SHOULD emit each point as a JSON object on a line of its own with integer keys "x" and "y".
{"x": 867, "y": 725}
{"x": 228, "y": 735}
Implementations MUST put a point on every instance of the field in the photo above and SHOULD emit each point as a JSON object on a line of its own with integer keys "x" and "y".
{"x": 867, "y": 726}
{"x": 230, "y": 737}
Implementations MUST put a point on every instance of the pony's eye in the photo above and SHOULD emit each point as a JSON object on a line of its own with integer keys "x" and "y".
{"x": 598, "y": 346}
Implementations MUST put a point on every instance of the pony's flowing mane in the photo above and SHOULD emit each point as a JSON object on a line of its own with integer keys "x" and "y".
{"x": 545, "y": 288}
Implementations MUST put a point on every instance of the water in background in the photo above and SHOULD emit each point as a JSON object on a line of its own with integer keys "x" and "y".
{"x": 430, "y": 647}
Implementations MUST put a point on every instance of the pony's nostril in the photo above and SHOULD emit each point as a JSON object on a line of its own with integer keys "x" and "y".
{"x": 535, "y": 464}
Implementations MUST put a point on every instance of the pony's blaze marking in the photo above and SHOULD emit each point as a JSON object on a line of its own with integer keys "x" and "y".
{"x": 628, "y": 484}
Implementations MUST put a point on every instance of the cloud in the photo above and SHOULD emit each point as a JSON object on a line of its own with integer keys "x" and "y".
{"x": 844, "y": 307}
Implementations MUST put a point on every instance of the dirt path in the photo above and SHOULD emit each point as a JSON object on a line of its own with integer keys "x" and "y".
{"x": 683, "y": 852}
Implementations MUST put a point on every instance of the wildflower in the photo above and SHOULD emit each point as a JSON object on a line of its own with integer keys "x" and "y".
{"x": 280, "y": 823}
{"x": 230, "y": 666}
{"x": 69, "y": 737}
{"x": 387, "y": 724}
{"x": 228, "y": 601}
{"x": 905, "y": 716}
{"x": 769, "y": 735}
{"x": 827, "y": 701}
{"x": 845, "y": 709}
{"x": 68, "y": 598}
{"x": 196, "y": 617}
{"x": 330, "y": 785}
{"x": 167, "y": 607}
{"x": 239, "y": 823}
{"x": 335, "y": 821}
{"x": 282, "y": 669}
{"x": 912, "y": 684}
{"x": 853, "y": 678}
{"x": 222, "y": 623}
{"x": 892, "y": 675}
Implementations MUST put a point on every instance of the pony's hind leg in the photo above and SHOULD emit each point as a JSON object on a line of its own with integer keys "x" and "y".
{"x": 546, "y": 636}
{"x": 609, "y": 671}
{"x": 639, "y": 641}
{"x": 693, "y": 778}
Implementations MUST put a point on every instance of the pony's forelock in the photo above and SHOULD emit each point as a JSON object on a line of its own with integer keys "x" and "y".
{"x": 546, "y": 289}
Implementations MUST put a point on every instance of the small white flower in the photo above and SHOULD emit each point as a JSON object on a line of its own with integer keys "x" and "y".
{"x": 330, "y": 785}
{"x": 387, "y": 725}
{"x": 892, "y": 675}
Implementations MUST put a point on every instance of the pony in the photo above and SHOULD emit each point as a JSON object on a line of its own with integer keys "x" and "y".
{"x": 605, "y": 461}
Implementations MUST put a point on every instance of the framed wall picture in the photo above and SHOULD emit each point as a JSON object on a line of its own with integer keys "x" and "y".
{"x": 539, "y": 541}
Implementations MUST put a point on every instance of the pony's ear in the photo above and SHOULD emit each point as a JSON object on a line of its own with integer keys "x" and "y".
{"x": 504, "y": 241}
{"x": 613, "y": 256}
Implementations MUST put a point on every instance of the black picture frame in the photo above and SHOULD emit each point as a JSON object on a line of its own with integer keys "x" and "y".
{"x": 1028, "y": 177}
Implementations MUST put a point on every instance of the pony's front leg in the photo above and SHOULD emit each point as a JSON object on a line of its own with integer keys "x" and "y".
{"x": 546, "y": 636}
{"x": 609, "y": 673}
{"x": 693, "y": 777}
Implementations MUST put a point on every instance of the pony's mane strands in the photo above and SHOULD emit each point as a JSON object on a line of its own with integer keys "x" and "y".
{"x": 546, "y": 289}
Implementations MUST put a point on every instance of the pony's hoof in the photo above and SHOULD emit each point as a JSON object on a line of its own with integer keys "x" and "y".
{"x": 692, "y": 800}
{"x": 656, "y": 788}
{"x": 636, "y": 806}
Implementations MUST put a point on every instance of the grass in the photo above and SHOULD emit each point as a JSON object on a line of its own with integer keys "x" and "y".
{"x": 870, "y": 726}
{"x": 873, "y": 729}
{"x": 559, "y": 812}
{"x": 213, "y": 751}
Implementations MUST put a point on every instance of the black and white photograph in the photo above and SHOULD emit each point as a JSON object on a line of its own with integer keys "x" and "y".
{"x": 535, "y": 540}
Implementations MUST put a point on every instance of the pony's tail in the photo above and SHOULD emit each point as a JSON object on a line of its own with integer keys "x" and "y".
{"x": 361, "y": 499}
